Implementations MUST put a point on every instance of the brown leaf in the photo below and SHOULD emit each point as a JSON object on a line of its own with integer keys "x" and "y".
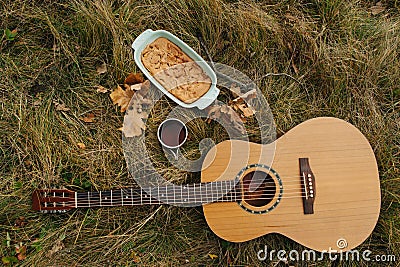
{"x": 239, "y": 104}
{"x": 134, "y": 78}
{"x": 377, "y": 8}
{"x": 37, "y": 103}
{"x": 247, "y": 112}
{"x": 61, "y": 107}
{"x": 248, "y": 95}
{"x": 88, "y": 118}
{"x": 133, "y": 121}
{"x": 144, "y": 89}
{"x": 135, "y": 87}
{"x": 121, "y": 97}
{"x": 20, "y": 222}
{"x": 58, "y": 245}
{"x": 81, "y": 145}
{"x": 101, "y": 89}
{"x": 20, "y": 250}
{"x": 227, "y": 115}
{"x": 135, "y": 257}
{"x": 101, "y": 69}
{"x": 235, "y": 90}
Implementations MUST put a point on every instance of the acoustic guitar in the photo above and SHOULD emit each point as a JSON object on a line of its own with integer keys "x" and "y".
{"x": 318, "y": 184}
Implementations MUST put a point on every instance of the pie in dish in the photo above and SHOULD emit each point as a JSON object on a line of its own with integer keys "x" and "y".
{"x": 175, "y": 71}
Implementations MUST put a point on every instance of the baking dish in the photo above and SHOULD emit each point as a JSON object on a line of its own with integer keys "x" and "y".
{"x": 147, "y": 37}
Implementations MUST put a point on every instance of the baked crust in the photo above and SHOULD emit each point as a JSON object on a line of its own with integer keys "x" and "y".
{"x": 175, "y": 70}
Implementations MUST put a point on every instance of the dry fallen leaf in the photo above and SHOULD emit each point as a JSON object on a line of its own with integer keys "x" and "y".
{"x": 101, "y": 89}
{"x": 20, "y": 250}
{"x": 377, "y": 8}
{"x": 136, "y": 87}
{"x": 249, "y": 95}
{"x": 135, "y": 257}
{"x": 37, "y": 103}
{"x": 81, "y": 145}
{"x": 61, "y": 107}
{"x": 213, "y": 256}
{"x": 134, "y": 78}
{"x": 56, "y": 247}
{"x": 227, "y": 115}
{"x": 101, "y": 69}
{"x": 20, "y": 222}
{"x": 88, "y": 118}
{"x": 121, "y": 97}
{"x": 235, "y": 90}
{"x": 238, "y": 104}
{"x": 133, "y": 121}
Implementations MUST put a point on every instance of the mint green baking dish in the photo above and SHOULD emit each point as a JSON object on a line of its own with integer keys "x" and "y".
{"x": 147, "y": 37}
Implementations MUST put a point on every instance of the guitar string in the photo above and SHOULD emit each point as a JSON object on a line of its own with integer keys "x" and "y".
{"x": 226, "y": 193}
{"x": 213, "y": 191}
{"x": 146, "y": 200}
{"x": 131, "y": 200}
{"x": 72, "y": 204}
{"x": 145, "y": 191}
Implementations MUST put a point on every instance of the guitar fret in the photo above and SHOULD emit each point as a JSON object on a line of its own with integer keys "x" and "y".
{"x": 76, "y": 199}
{"x": 197, "y": 193}
{"x": 201, "y": 194}
{"x": 206, "y": 193}
{"x": 166, "y": 193}
{"x": 122, "y": 198}
{"x": 132, "y": 196}
{"x": 111, "y": 197}
{"x": 181, "y": 193}
{"x": 217, "y": 191}
{"x": 230, "y": 183}
{"x": 194, "y": 193}
{"x": 173, "y": 187}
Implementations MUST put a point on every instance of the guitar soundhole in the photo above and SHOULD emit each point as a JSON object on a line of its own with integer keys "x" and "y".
{"x": 258, "y": 188}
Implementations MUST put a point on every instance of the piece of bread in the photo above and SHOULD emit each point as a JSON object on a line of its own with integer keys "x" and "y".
{"x": 175, "y": 70}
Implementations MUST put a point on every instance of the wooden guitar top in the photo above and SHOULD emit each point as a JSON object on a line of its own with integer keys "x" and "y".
{"x": 347, "y": 192}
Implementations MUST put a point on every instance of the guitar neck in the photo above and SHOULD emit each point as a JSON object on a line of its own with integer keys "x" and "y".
{"x": 198, "y": 193}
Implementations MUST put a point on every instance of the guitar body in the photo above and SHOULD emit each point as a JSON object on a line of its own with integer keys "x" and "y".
{"x": 346, "y": 189}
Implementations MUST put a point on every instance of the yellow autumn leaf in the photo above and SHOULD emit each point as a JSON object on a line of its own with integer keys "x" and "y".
{"x": 81, "y": 145}
{"x": 212, "y": 256}
{"x": 121, "y": 97}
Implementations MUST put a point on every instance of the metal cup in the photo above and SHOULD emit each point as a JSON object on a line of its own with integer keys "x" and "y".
{"x": 172, "y": 134}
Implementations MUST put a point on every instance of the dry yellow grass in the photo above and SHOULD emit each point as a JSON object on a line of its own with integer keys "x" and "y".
{"x": 346, "y": 59}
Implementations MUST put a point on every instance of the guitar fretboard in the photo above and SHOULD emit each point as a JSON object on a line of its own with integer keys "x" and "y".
{"x": 198, "y": 193}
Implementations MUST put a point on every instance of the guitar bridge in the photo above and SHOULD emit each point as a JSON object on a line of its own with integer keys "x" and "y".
{"x": 308, "y": 186}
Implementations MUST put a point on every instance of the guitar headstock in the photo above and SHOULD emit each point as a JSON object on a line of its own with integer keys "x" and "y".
{"x": 53, "y": 200}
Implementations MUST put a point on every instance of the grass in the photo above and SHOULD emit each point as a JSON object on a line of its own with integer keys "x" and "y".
{"x": 346, "y": 59}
